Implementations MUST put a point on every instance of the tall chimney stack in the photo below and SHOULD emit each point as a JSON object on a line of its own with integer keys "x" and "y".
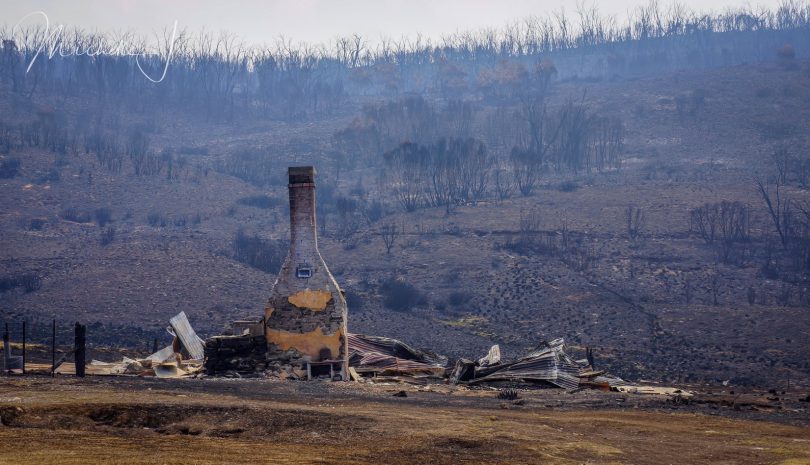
{"x": 305, "y": 316}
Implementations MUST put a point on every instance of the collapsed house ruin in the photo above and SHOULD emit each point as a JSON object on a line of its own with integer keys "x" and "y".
{"x": 303, "y": 334}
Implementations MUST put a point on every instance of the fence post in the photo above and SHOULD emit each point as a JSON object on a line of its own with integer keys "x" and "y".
{"x": 53, "y": 349}
{"x": 79, "y": 349}
{"x": 6, "y": 351}
{"x": 23, "y": 359}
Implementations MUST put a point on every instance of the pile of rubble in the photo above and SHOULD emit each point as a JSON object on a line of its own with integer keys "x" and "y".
{"x": 383, "y": 359}
{"x": 372, "y": 359}
{"x": 183, "y": 357}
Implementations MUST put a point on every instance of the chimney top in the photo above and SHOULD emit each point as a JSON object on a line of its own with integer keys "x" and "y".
{"x": 301, "y": 174}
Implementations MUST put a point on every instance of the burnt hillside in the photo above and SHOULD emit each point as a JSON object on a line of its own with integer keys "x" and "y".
{"x": 646, "y": 195}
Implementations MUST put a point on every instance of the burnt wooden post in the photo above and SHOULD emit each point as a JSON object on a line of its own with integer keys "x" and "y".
{"x": 23, "y": 355}
{"x": 6, "y": 351}
{"x": 53, "y": 349}
{"x": 79, "y": 348}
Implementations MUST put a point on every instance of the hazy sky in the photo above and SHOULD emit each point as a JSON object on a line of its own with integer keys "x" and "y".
{"x": 315, "y": 21}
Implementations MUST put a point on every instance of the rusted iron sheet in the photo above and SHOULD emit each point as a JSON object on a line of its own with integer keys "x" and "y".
{"x": 374, "y": 354}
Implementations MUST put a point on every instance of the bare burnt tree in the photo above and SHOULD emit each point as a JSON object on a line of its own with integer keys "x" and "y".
{"x": 778, "y": 209}
{"x": 782, "y": 162}
{"x": 727, "y": 223}
{"x": 704, "y": 221}
{"x": 411, "y": 119}
{"x": 349, "y": 216}
{"x": 290, "y": 80}
{"x": 526, "y": 169}
{"x": 687, "y": 290}
{"x": 389, "y": 233}
{"x": 504, "y": 183}
{"x": 733, "y": 227}
{"x": 801, "y": 239}
{"x": 406, "y": 171}
{"x": 10, "y": 64}
{"x": 571, "y": 144}
{"x": 540, "y": 132}
{"x": 606, "y": 142}
{"x": 473, "y": 168}
{"x": 528, "y": 231}
{"x": 714, "y": 286}
{"x": 635, "y": 220}
{"x": 458, "y": 118}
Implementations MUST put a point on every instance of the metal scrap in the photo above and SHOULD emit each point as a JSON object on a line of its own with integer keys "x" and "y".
{"x": 549, "y": 364}
{"x": 493, "y": 357}
{"x": 191, "y": 342}
{"x": 382, "y": 355}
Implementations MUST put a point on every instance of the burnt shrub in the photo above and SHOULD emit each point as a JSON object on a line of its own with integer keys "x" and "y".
{"x": 374, "y": 211}
{"x": 7, "y": 284}
{"x": 459, "y": 298}
{"x": 354, "y": 301}
{"x": 36, "y": 224}
{"x": 777, "y": 129}
{"x": 108, "y": 236}
{"x": 52, "y": 175}
{"x": 764, "y": 92}
{"x": 189, "y": 150}
{"x": 260, "y": 201}
{"x": 568, "y": 186}
{"x": 9, "y": 168}
{"x": 401, "y": 296}
{"x": 75, "y": 215}
{"x": 262, "y": 254}
{"x": 103, "y": 216}
{"x": 508, "y": 394}
{"x": 29, "y": 282}
{"x": 156, "y": 220}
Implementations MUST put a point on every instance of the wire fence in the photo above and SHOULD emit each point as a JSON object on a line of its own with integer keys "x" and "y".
{"x": 41, "y": 347}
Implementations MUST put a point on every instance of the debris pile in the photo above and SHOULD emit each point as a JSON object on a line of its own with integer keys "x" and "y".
{"x": 371, "y": 359}
{"x": 381, "y": 359}
{"x": 383, "y": 356}
{"x": 548, "y": 364}
{"x": 183, "y": 357}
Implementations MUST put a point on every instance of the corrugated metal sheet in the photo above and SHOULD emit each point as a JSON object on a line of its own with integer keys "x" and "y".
{"x": 379, "y": 354}
{"x": 548, "y": 364}
{"x": 182, "y": 328}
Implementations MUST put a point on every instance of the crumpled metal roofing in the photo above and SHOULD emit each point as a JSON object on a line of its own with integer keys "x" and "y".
{"x": 382, "y": 354}
{"x": 549, "y": 363}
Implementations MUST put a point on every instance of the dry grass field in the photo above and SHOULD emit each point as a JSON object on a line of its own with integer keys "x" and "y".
{"x": 126, "y": 421}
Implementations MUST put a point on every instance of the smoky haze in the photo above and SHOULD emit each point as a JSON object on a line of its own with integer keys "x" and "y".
{"x": 643, "y": 189}
{"x": 321, "y": 21}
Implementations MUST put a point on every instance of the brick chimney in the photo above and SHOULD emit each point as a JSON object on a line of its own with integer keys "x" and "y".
{"x": 305, "y": 316}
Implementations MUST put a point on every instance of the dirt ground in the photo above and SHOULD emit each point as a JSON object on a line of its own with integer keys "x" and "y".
{"x": 142, "y": 421}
